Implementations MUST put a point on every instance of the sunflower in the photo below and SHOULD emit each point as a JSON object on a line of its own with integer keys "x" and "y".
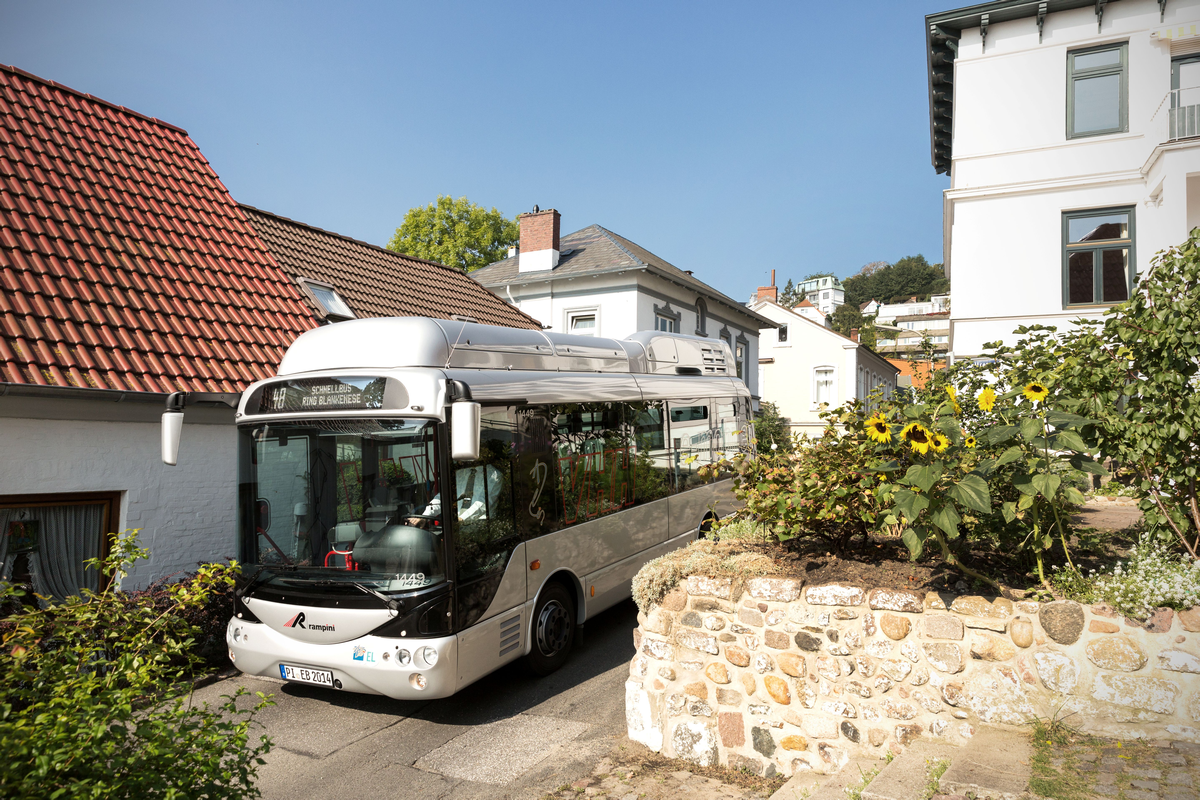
{"x": 987, "y": 399}
{"x": 938, "y": 442}
{"x": 878, "y": 429}
{"x": 950, "y": 390}
{"x": 1036, "y": 392}
{"x": 970, "y": 442}
{"x": 917, "y": 436}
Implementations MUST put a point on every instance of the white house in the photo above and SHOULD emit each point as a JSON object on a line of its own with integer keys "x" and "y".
{"x": 805, "y": 366}
{"x": 1069, "y": 131}
{"x": 887, "y": 313}
{"x": 595, "y": 282}
{"x": 825, "y": 292}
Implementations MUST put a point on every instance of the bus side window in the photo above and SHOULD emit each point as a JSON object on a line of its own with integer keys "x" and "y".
{"x": 593, "y": 466}
{"x": 652, "y": 467}
{"x": 485, "y": 530}
{"x": 692, "y": 435}
{"x": 534, "y": 475}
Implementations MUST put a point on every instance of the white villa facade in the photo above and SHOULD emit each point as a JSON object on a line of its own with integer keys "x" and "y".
{"x": 805, "y": 366}
{"x": 1069, "y": 131}
{"x": 596, "y": 283}
{"x": 825, "y": 292}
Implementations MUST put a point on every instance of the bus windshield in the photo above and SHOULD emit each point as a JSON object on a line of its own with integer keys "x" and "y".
{"x": 353, "y": 500}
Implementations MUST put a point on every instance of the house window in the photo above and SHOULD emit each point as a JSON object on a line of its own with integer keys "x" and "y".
{"x": 582, "y": 323}
{"x": 1098, "y": 258}
{"x": 1097, "y": 91}
{"x": 701, "y": 317}
{"x": 328, "y": 302}
{"x": 823, "y": 385}
{"x": 739, "y": 355}
{"x": 1185, "y": 97}
{"x": 783, "y": 333}
{"x": 45, "y": 540}
{"x": 667, "y": 324}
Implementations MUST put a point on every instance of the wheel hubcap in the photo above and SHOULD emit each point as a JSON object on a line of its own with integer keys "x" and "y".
{"x": 553, "y": 627}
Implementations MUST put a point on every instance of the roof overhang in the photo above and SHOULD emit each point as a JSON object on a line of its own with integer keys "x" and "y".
{"x": 942, "y": 32}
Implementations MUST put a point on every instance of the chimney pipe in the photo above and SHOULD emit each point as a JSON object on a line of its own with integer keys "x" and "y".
{"x": 538, "y": 249}
{"x": 854, "y": 334}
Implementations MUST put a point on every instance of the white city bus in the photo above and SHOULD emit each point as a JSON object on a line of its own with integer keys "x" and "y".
{"x": 422, "y": 501}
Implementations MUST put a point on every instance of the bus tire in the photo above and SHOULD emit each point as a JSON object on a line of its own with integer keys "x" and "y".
{"x": 553, "y": 629}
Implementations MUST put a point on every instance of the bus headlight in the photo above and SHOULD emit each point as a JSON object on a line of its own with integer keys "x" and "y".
{"x": 403, "y": 658}
{"x": 428, "y": 655}
{"x": 417, "y": 680}
{"x": 237, "y": 634}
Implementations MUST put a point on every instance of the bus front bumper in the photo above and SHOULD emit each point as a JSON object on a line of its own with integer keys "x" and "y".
{"x": 369, "y": 664}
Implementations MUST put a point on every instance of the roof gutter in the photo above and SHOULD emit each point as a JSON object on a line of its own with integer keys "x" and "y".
{"x": 75, "y": 393}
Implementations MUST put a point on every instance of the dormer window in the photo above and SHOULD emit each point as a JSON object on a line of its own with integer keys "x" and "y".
{"x": 329, "y": 303}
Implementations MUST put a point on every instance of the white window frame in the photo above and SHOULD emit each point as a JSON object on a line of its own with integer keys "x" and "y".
{"x": 671, "y": 323}
{"x": 781, "y": 336}
{"x": 833, "y": 386}
{"x": 571, "y": 314}
{"x": 327, "y": 313}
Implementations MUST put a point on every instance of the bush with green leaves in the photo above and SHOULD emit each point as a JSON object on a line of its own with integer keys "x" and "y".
{"x": 1154, "y": 575}
{"x": 1137, "y": 374}
{"x": 95, "y": 696}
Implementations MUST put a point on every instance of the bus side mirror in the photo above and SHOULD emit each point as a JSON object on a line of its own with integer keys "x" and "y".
{"x": 172, "y": 428}
{"x": 464, "y": 431}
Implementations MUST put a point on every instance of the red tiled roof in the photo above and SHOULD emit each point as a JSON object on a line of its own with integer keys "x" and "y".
{"x": 376, "y": 282}
{"x": 124, "y": 262}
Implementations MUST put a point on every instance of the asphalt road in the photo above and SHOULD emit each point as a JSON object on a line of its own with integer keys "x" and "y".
{"x": 510, "y": 735}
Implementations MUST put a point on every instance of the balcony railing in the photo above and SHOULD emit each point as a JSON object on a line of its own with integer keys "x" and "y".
{"x": 1178, "y": 115}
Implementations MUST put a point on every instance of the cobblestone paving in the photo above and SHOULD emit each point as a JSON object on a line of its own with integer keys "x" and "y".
{"x": 662, "y": 780}
{"x": 1105, "y": 768}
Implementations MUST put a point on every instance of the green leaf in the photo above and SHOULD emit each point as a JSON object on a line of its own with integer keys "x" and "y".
{"x": 1088, "y": 465}
{"x": 1031, "y": 427}
{"x": 1010, "y": 455}
{"x": 972, "y": 492}
{"x": 1047, "y": 485}
{"x": 911, "y": 504}
{"x": 1000, "y": 434}
{"x": 1069, "y": 440}
{"x": 1024, "y": 484}
{"x": 1025, "y": 502}
{"x": 946, "y": 517}
{"x": 923, "y": 476}
{"x": 1061, "y": 419}
{"x": 1074, "y": 496}
{"x": 887, "y": 466}
{"x": 914, "y": 542}
{"x": 1009, "y": 511}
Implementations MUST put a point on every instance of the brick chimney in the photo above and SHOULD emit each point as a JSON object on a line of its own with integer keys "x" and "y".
{"x": 539, "y": 240}
{"x": 769, "y": 292}
{"x": 854, "y": 334}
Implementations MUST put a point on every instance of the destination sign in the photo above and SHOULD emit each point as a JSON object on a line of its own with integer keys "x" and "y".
{"x": 322, "y": 394}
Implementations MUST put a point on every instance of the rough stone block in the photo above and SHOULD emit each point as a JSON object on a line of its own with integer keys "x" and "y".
{"x": 944, "y": 656}
{"x": 696, "y": 742}
{"x": 1027, "y": 606}
{"x": 816, "y": 727}
{"x": 896, "y": 600}
{"x": 952, "y": 693}
{"x": 839, "y": 708}
{"x": 1057, "y": 671}
{"x": 942, "y": 626}
{"x": 1151, "y": 694}
{"x": 998, "y": 696}
{"x": 894, "y": 627}
{"x": 738, "y": 656}
{"x": 732, "y": 728}
{"x": 894, "y": 709}
{"x": 655, "y": 648}
{"x": 666, "y": 673}
{"x": 778, "y": 689}
{"x": 1178, "y": 661}
{"x": 714, "y": 622}
{"x": 896, "y": 669}
{"x": 1100, "y": 626}
{"x": 717, "y": 673}
{"x": 1118, "y": 653}
{"x": 1104, "y": 610}
{"x": 911, "y": 651}
{"x": 751, "y": 617}
{"x": 793, "y": 742}
{"x": 834, "y": 594}
{"x": 697, "y": 689}
{"x": 699, "y": 708}
{"x": 828, "y": 667}
{"x": 694, "y": 640}
{"x": 691, "y": 619}
{"x": 644, "y": 715}
{"x": 934, "y": 602}
{"x": 675, "y": 600}
{"x": 983, "y": 623}
{"x": 763, "y": 663}
{"x": 920, "y": 677}
{"x": 792, "y": 664}
{"x": 708, "y": 605}
{"x": 704, "y": 586}
{"x": 1062, "y": 621}
{"x": 728, "y": 697}
{"x": 763, "y": 741}
{"x": 779, "y": 590}
{"x": 658, "y": 622}
{"x": 975, "y": 606}
{"x": 877, "y": 736}
{"x": 806, "y": 641}
{"x": 866, "y": 667}
{"x": 1190, "y": 619}
{"x": 1159, "y": 621}
{"x": 907, "y": 734}
{"x": 777, "y": 640}
{"x": 868, "y": 625}
{"x": 987, "y": 647}
{"x": 749, "y": 684}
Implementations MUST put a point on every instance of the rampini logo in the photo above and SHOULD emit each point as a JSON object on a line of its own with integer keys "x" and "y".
{"x": 298, "y": 622}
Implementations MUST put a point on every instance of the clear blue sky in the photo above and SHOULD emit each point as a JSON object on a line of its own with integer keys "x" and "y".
{"x": 728, "y": 138}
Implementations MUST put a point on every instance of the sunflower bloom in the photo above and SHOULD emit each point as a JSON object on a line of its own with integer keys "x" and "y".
{"x": 987, "y": 399}
{"x": 1036, "y": 392}
{"x": 878, "y": 429}
{"x": 917, "y": 436}
{"x": 938, "y": 442}
{"x": 970, "y": 442}
{"x": 950, "y": 390}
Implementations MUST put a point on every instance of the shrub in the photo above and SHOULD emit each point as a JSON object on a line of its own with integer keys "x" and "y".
{"x": 208, "y": 618}
{"x": 94, "y": 699}
{"x": 1153, "y": 576}
{"x": 702, "y": 557}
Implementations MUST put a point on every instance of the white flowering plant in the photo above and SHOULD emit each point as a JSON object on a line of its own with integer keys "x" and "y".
{"x": 1154, "y": 575}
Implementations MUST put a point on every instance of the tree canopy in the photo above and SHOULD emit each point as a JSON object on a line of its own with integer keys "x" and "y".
{"x": 894, "y": 283}
{"x": 457, "y": 233}
{"x": 847, "y": 317}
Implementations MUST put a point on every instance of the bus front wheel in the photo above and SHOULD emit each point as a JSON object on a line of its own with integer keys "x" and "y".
{"x": 553, "y": 629}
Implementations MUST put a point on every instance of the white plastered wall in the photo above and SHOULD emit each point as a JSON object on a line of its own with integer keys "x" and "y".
{"x": 186, "y": 513}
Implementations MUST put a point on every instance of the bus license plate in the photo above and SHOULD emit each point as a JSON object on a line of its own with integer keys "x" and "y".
{"x": 320, "y": 677}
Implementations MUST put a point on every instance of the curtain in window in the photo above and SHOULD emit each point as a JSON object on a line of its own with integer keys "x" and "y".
{"x": 67, "y": 535}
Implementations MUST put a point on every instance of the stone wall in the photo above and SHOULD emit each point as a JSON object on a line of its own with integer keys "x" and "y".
{"x": 777, "y": 677}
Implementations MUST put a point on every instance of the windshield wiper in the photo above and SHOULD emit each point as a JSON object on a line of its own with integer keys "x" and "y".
{"x": 392, "y": 603}
{"x": 254, "y": 579}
